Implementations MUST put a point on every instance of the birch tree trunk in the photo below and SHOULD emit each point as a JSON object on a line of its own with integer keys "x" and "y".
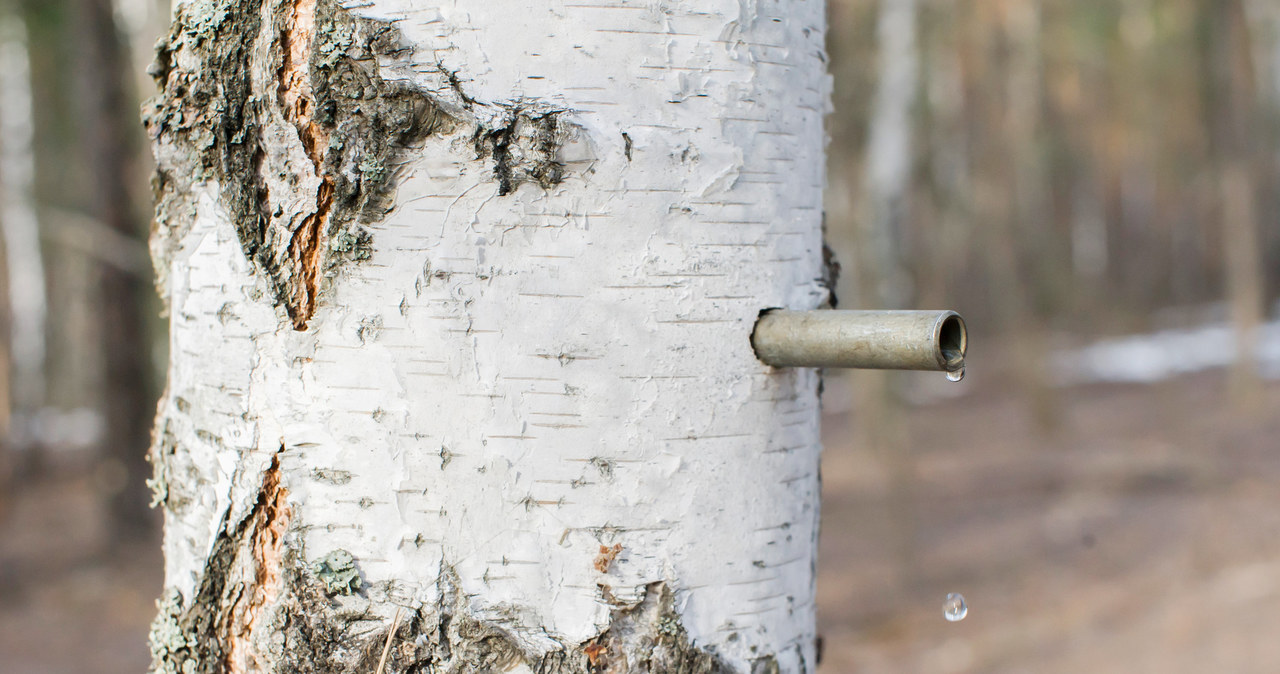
{"x": 460, "y": 305}
{"x": 1231, "y": 102}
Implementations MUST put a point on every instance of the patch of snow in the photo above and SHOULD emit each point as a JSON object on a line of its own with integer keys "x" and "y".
{"x": 1165, "y": 354}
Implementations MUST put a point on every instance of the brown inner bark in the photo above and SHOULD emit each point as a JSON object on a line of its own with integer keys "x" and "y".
{"x": 297, "y": 100}
{"x": 267, "y": 526}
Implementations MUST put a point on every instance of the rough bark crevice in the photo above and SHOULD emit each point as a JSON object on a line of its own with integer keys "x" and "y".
{"x": 221, "y": 628}
{"x": 830, "y": 278}
{"x": 205, "y": 128}
{"x": 212, "y": 123}
{"x": 260, "y": 607}
{"x": 524, "y": 149}
{"x": 654, "y": 637}
{"x": 249, "y": 612}
{"x": 324, "y": 635}
{"x": 297, "y": 101}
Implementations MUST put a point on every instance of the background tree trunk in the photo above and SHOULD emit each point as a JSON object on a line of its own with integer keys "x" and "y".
{"x": 1235, "y": 133}
{"x": 108, "y": 134}
{"x": 460, "y": 312}
{"x": 20, "y": 227}
{"x": 880, "y": 275}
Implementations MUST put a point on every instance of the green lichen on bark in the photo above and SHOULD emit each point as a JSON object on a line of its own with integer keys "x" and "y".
{"x": 337, "y": 571}
{"x": 169, "y": 639}
{"x": 204, "y": 128}
{"x": 370, "y": 123}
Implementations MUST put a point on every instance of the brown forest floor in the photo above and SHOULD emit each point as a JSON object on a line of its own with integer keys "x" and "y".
{"x": 1144, "y": 535}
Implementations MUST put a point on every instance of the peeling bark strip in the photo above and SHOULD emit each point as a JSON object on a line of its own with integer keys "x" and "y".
{"x": 248, "y": 612}
{"x": 225, "y": 628}
{"x": 298, "y": 103}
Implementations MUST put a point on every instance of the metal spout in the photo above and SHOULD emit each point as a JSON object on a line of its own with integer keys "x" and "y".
{"x": 881, "y": 340}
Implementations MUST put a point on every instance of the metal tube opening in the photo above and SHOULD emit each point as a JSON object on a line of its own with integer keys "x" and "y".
{"x": 884, "y": 340}
{"x": 953, "y": 340}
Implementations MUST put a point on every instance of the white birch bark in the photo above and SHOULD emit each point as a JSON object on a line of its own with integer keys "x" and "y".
{"x": 521, "y": 403}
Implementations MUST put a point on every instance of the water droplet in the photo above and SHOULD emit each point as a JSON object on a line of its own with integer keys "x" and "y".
{"x": 956, "y": 375}
{"x": 954, "y": 609}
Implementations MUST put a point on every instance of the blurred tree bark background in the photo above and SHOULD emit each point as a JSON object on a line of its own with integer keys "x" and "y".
{"x": 1235, "y": 139}
{"x": 1064, "y": 160}
{"x": 1058, "y": 171}
{"x": 89, "y": 402}
{"x": 109, "y": 131}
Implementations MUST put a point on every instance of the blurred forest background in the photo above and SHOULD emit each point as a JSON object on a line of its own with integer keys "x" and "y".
{"x": 1093, "y": 184}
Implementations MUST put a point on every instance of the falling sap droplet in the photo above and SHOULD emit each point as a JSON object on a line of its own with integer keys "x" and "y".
{"x": 955, "y": 375}
{"x": 954, "y": 609}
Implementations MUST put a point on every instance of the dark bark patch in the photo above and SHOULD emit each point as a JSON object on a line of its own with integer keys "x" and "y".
{"x": 355, "y": 128}
{"x": 830, "y": 277}
{"x": 646, "y": 638}
{"x": 313, "y": 631}
{"x": 524, "y": 149}
{"x": 650, "y": 638}
{"x": 206, "y": 127}
{"x": 240, "y": 580}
